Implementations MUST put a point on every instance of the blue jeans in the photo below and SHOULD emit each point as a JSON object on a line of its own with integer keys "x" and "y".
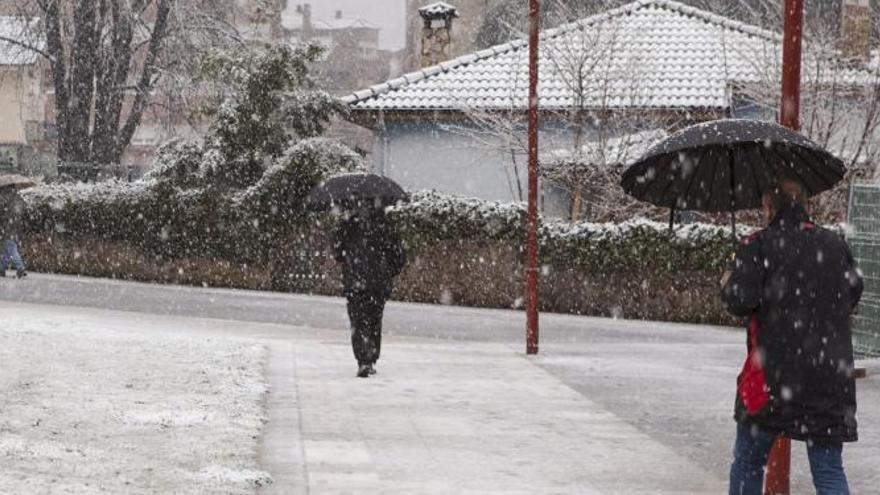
{"x": 10, "y": 251}
{"x": 750, "y": 455}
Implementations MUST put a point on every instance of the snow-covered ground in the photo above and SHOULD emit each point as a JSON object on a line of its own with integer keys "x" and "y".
{"x": 608, "y": 407}
{"x": 115, "y": 403}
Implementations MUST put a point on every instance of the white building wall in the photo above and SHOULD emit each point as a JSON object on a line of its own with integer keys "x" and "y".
{"x": 452, "y": 160}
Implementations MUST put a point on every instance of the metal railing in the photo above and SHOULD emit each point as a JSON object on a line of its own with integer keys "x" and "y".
{"x": 864, "y": 218}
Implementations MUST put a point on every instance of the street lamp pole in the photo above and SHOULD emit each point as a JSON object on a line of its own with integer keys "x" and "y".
{"x": 532, "y": 237}
{"x": 779, "y": 463}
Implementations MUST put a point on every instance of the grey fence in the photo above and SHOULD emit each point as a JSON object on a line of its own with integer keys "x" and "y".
{"x": 864, "y": 216}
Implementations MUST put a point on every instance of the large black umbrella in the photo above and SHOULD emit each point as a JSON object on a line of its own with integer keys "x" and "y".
{"x": 727, "y": 165}
{"x": 350, "y": 189}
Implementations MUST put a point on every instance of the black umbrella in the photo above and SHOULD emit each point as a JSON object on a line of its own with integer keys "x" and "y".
{"x": 350, "y": 189}
{"x": 728, "y": 165}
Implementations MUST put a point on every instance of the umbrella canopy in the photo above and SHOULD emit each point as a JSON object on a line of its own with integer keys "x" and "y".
{"x": 728, "y": 165}
{"x": 349, "y": 189}
{"x": 16, "y": 181}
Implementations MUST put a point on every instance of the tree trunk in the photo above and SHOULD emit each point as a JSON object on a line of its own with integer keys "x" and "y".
{"x": 82, "y": 80}
{"x": 576, "y": 206}
{"x": 58, "y": 64}
{"x": 145, "y": 82}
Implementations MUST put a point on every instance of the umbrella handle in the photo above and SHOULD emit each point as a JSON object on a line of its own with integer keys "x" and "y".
{"x": 732, "y": 158}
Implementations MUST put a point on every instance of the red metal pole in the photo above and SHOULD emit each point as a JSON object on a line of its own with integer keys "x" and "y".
{"x": 789, "y": 114}
{"x": 779, "y": 463}
{"x": 532, "y": 240}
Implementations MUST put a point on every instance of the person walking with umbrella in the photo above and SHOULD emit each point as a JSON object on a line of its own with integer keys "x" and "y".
{"x": 795, "y": 281}
{"x": 799, "y": 285}
{"x": 11, "y": 211}
{"x": 370, "y": 251}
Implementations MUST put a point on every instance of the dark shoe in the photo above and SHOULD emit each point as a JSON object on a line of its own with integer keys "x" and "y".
{"x": 363, "y": 371}
{"x": 372, "y": 369}
{"x": 20, "y": 274}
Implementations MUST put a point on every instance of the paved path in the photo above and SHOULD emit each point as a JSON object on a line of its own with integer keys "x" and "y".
{"x": 608, "y": 406}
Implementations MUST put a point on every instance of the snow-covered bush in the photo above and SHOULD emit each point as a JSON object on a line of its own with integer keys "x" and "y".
{"x": 430, "y": 216}
{"x": 179, "y": 163}
{"x": 282, "y": 190}
{"x": 461, "y": 249}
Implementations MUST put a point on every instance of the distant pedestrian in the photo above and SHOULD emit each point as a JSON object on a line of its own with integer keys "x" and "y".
{"x": 371, "y": 254}
{"x": 799, "y": 285}
{"x": 11, "y": 211}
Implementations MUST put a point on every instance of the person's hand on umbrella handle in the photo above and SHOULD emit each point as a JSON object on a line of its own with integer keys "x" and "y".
{"x": 725, "y": 278}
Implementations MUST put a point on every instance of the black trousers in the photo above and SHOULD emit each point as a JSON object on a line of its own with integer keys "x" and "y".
{"x": 365, "y": 313}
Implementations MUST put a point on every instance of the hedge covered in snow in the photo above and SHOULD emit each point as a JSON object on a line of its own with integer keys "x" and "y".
{"x": 461, "y": 250}
{"x": 201, "y": 223}
{"x": 430, "y": 217}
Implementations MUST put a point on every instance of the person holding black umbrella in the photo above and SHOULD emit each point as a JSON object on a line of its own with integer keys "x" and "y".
{"x": 798, "y": 284}
{"x": 372, "y": 254}
{"x": 370, "y": 251}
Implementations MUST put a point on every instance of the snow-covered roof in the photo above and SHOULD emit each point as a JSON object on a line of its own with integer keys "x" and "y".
{"x": 621, "y": 150}
{"x": 333, "y": 23}
{"x": 340, "y": 24}
{"x": 646, "y": 54}
{"x": 26, "y": 32}
{"x": 438, "y": 9}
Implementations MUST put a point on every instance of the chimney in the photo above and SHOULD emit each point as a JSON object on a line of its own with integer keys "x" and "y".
{"x": 305, "y": 10}
{"x": 437, "y": 32}
{"x": 855, "y": 31}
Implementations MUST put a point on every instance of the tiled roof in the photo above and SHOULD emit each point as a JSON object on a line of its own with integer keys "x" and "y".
{"x": 646, "y": 54}
{"x": 26, "y": 32}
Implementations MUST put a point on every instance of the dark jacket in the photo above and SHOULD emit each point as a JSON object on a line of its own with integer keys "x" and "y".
{"x": 11, "y": 211}
{"x": 371, "y": 253}
{"x": 798, "y": 284}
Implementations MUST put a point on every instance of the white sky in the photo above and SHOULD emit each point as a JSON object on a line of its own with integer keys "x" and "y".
{"x": 388, "y": 15}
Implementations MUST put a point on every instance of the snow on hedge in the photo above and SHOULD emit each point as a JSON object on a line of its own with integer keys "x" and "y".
{"x": 59, "y": 194}
{"x": 497, "y": 218}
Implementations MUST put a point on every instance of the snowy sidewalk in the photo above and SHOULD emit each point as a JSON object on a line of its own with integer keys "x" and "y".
{"x": 607, "y": 407}
{"x": 469, "y": 418}
{"x": 441, "y": 417}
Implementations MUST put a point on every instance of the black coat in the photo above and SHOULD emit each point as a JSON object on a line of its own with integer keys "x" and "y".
{"x": 799, "y": 285}
{"x": 371, "y": 253}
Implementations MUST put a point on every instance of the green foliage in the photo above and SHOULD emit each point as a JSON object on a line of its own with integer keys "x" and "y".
{"x": 272, "y": 101}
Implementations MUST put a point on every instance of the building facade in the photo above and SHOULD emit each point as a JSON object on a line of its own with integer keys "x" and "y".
{"x": 459, "y": 127}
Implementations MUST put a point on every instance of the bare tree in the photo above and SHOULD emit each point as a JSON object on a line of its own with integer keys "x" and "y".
{"x": 840, "y": 102}
{"x": 599, "y": 136}
{"x": 112, "y": 61}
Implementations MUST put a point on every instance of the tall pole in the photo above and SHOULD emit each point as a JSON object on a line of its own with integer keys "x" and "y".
{"x": 532, "y": 237}
{"x": 779, "y": 463}
{"x": 789, "y": 114}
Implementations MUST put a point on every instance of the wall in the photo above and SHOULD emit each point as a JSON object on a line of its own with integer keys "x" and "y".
{"x": 456, "y": 159}
{"x": 19, "y": 102}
